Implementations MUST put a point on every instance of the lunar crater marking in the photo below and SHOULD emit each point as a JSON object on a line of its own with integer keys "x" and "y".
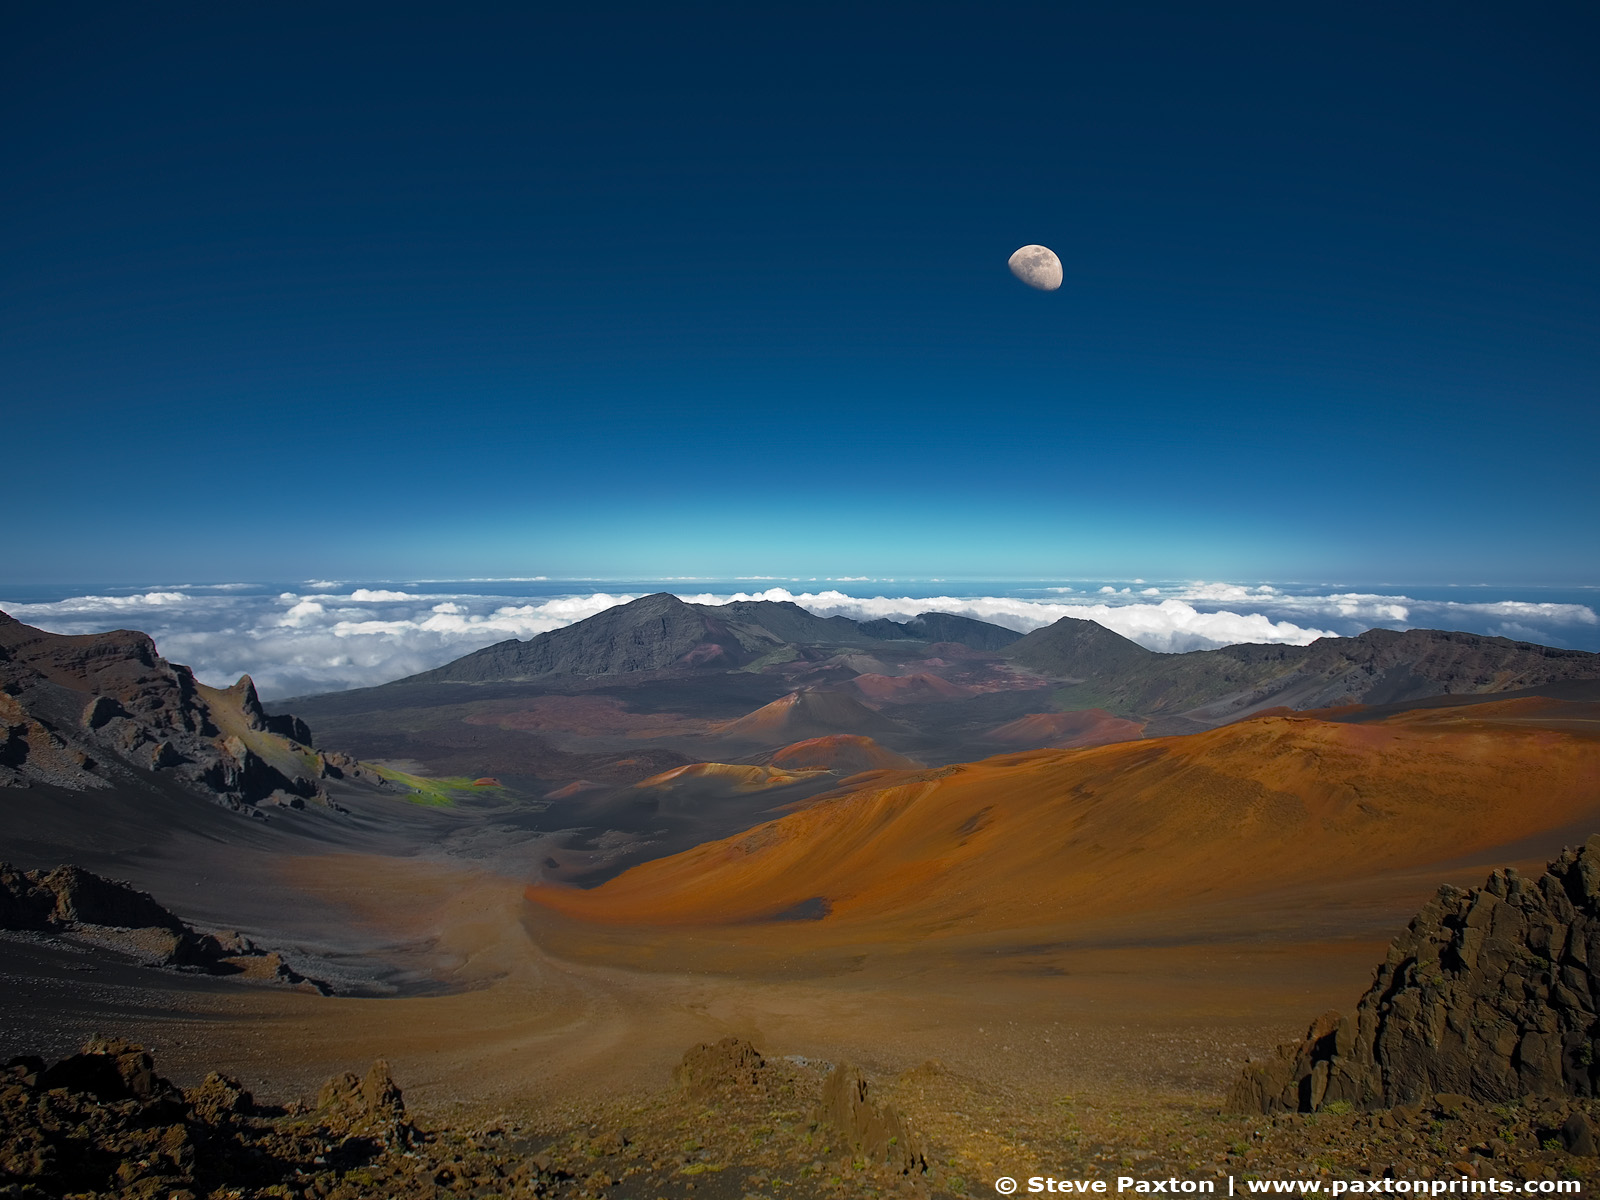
{"x": 1038, "y": 267}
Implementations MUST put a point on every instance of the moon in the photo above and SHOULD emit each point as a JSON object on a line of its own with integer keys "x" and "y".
{"x": 1038, "y": 267}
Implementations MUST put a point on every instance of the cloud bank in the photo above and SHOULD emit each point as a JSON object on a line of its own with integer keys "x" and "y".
{"x": 324, "y": 639}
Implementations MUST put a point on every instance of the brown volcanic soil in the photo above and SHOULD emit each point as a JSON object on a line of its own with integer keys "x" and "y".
{"x": 742, "y": 776}
{"x": 1069, "y": 730}
{"x": 588, "y": 715}
{"x": 920, "y": 687}
{"x": 844, "y": 753}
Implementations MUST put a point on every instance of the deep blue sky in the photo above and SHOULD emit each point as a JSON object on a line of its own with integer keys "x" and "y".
{"x": 311, "y": 290}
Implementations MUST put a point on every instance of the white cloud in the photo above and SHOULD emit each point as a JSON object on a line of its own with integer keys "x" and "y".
{"x": 302, "y": 612}
{"x": 87, "y": 604}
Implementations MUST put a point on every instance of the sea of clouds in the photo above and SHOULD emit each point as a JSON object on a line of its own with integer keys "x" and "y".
{"x": 321, "y": 637}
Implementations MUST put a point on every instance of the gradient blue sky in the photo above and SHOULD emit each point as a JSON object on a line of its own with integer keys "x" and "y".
{"x": 467, "y": 290}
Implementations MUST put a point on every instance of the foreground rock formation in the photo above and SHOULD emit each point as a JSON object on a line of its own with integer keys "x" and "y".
{"x": 876, "y": 1130}
{"x": 733, "y": 1069}
{"x": 103, "y": 1123}
{"x": 1489, "y": 995}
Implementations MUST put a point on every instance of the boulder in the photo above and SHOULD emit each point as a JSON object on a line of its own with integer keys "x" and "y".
{"x": 218, "y": 1099}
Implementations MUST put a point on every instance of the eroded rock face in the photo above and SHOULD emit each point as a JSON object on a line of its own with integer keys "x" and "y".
{"x": 876, "y": 1130}
{"x": 69, "y": 895}
{"x": 99, "y": 710}
{"x": 1490, "y": 993}
{"x": 82, "y": 896}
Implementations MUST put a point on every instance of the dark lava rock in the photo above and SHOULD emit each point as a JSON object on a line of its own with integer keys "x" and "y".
{"x": 103, "y": 1123}
{"x": 876, "y": 1130}
{"x": 1490, "y": 994}
{"x": 219, "y": 1099}
{"x": 110, "y": 1070}
{"x": 23, "y": 903}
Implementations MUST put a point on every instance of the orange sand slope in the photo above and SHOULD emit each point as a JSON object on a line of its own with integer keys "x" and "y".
{"x": 1068, "y": 730}
{"x": 845, "y": 753}
{"x": 745, "y": 778}
{"x": 1049, "y": 837}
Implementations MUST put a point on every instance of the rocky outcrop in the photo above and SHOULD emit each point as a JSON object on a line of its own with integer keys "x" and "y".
{"x": 103, "y": 1122}
{"x": 876, "y": 1130}
{"x": 712, "y": 1068}
{"x": 94, "y": 911}
{"x": 350, "y": 1106}
{"x": 30, "y": 751}
{"x": 49, "y": 901}
{"x": 1490, "y": 994}
{"x": 82, "y": 897}
{"x": 100, "y": 710}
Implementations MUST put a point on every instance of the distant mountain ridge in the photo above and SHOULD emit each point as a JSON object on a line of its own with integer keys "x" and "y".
{"x": 1100, "y": 669}
{"x": 1380, "y": 666}
{"x": 660, "y": 632}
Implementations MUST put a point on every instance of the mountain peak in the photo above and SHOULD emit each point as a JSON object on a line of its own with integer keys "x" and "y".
{"x": 1076, "y": 648}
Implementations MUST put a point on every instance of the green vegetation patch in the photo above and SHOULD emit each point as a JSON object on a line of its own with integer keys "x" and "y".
{"x": 437, "y": 792}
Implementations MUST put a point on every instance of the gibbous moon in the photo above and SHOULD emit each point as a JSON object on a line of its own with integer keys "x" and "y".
{"x": 1038, "y": 267}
